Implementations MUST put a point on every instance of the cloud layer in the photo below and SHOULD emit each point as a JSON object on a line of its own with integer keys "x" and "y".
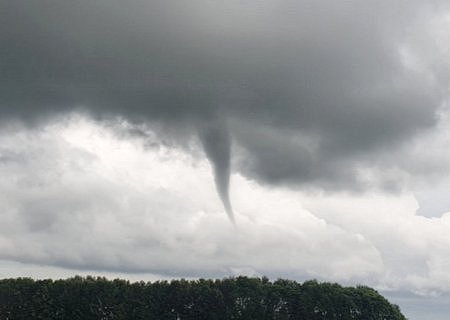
{"x": 107, "y": 204}
{"x": 310, "y": 89}
{"x": 77, "y": 196}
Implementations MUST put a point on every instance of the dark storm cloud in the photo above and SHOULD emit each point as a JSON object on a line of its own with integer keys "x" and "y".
{"x": 305, "y": 86}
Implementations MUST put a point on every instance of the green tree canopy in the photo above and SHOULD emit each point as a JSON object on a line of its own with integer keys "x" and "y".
{"x": 243, "y": 298}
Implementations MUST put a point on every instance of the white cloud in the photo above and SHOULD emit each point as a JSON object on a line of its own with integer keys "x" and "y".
{"x": 75, "y": 196}
{"x": 83, "y": 198}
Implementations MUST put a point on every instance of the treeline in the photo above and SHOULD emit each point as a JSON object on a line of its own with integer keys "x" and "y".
{"x": 232, "y": 298}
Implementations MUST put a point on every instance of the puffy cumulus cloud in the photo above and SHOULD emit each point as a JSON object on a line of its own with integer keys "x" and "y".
{"x": 77, "y": 196}
{"x": 306, "y": 87}
{"x": 413, "y": 248}
{"x": 83, "y": 199}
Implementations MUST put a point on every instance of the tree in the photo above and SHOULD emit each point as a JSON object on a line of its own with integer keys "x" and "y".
{"x": 231, "y": 298}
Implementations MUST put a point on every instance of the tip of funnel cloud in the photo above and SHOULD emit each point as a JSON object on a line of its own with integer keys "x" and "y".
{"x": 229, "y": 211}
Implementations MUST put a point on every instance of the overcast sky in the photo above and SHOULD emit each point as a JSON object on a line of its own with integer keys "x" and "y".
{"x": 123, "y": 123}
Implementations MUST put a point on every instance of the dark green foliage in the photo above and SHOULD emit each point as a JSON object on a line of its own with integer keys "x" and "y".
{"x": 232, "y": 298}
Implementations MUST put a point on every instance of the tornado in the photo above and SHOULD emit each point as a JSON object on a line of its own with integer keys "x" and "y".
{"x": 216, "y": 143}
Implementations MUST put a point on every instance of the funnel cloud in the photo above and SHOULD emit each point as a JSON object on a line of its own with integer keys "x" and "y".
{"x": 216, "y": 143}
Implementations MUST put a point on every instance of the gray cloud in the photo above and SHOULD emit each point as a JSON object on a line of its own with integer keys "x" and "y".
{"x": 306, "y": 87}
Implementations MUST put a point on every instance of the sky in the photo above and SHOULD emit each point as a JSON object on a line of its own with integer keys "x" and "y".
{"x": 150, "y": 139}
